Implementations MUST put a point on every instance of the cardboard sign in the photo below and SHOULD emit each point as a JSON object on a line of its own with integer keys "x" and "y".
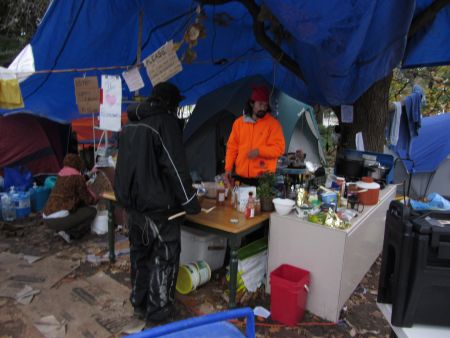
{"x": 111, "y": 107}
{"x": 87, "y": 94}
{"x": 163, "y": 64}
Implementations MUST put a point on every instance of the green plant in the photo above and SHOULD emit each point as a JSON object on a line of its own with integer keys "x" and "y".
{"x": 266, "y": 185}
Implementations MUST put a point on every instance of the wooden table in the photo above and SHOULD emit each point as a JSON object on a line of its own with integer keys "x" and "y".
{"x": 217, "y": 221}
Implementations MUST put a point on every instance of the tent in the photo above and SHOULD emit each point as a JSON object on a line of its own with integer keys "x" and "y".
{"x": 342, "y": 47}
{"x": 429, "y": 159}
{"x": 36, "y": 143}
{"x": 207, "y": 131}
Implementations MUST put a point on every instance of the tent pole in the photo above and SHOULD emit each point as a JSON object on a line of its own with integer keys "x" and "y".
{"x": 139, "y": 45}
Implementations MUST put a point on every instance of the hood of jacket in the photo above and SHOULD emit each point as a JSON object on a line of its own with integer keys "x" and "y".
{"x": 142, "y": 110}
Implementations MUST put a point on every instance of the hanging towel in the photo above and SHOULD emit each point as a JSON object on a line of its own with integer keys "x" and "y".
{"x": 395, "y": 124}
{"x": 10, "y": 95}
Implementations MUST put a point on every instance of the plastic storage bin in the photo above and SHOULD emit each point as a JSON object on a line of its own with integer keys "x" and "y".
{"x": 211, "y": 325}
{"x": 198, "y": 245}
{"x": 415, "y": 268}
{"x": 289, "y": 286}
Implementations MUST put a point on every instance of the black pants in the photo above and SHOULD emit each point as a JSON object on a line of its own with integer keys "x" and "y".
{"x": 155, "y": 255}
{"x": 77, "y": 224}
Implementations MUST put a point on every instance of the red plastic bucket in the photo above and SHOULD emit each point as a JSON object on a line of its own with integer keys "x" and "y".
{"x": 288, "y": 294}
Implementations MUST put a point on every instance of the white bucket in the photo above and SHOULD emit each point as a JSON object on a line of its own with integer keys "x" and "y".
{"x": 100, "y": 223}
{"x": 204, "y": 272}
{"x": 192, "y": 275}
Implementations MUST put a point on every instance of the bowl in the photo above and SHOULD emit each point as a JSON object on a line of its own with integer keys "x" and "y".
{"x": 283, "y": 206}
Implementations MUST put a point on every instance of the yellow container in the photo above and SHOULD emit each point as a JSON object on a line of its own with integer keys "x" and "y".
{"x": 192, "y": 275}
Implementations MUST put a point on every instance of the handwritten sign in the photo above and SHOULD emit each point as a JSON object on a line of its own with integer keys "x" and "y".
{"x": 162, "y": 64}
{"x": 133, "y": 79}
{"x": 111, "y": 107}
{"x": 87, "y": 94}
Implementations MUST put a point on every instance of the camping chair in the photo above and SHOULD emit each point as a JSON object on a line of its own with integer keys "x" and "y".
{"x": 208, "y": 325}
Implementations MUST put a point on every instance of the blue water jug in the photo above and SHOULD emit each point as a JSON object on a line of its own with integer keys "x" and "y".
{"x": 38, "y": 197}
{"x": 21, "y": 200}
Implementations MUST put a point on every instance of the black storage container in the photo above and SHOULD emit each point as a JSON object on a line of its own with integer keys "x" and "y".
{"x": 415, "y": 269}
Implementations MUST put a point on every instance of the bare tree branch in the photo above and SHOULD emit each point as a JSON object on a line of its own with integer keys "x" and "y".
{"x": 426, "y": 17}
{"x": 261, "y": 37}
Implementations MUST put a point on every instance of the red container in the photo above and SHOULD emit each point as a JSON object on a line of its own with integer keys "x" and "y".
{"x": 288, "y": 294}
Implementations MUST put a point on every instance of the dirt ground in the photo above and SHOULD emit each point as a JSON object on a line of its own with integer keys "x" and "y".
{"x": 360, "y": 316}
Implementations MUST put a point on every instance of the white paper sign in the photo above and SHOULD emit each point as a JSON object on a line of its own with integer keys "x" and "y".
{"x": 111, "y": 107}
{"x": 347, "y": 114}
{"x": 133, "y": 79}
{"x": 162, "y": 64}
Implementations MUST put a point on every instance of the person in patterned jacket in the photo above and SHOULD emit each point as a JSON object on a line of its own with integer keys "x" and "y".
{"x": 68, "y": 209}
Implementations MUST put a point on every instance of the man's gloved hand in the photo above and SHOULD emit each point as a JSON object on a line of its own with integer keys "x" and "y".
{"x": 253, "y": 153}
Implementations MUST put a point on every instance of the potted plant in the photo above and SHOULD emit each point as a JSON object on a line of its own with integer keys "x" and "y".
{"x": 265, "y": 191}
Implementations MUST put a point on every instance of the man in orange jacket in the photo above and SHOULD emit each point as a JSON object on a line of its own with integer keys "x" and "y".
{"x": 256, "y": 140}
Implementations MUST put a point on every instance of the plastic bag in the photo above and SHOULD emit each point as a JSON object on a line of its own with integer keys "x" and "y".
{"x": 435, "y": 202}
{"x": 18, "y": 177}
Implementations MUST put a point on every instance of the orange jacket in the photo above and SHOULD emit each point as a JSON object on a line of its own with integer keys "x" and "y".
{"x": 265, "y": 135}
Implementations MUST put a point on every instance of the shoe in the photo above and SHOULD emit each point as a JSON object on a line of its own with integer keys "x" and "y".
{"x": 165, "y": 314}
{"x": 64, "y": 235}
{"x": 139, "y": 313}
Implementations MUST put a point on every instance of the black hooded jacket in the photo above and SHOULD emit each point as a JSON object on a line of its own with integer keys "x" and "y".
{"x": 152, "y": 175}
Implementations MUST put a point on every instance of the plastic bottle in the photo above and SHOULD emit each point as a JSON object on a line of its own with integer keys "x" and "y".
{"x": 250, "y": 208}
{"x": 234, "y": 195}
{"x": 8, "y": 209}
{"x": 220, "y": 196}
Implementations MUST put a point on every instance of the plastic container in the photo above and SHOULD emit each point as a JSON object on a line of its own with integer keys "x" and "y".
{"x": 197, "y": 245}
{"x": 191, "y": 276}
{"x": 38, "y": 197}
{"x": 50, "y": 182}
{"x": 22, "y": 204}
{"x": 100, "y": 223}
{"x": 370, "y": 191}
{"x": 8, "y": 209}
{"x": 289, "y": 286}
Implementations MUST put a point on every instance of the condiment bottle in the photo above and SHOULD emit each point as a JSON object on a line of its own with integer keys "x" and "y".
{"x": 250, "y": 208}
{"x": 220, "y": 195}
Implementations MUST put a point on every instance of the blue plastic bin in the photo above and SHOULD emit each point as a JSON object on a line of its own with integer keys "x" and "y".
{"x": 212, "y": 325}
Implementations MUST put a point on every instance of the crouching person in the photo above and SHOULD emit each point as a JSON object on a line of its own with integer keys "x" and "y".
{"x": 68, "y": 209}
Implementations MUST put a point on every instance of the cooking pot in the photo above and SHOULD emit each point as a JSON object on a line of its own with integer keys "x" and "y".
{"x": 349, "y": 166}
{"x": 377, "y": 172}
{"x": 369, "y": 191}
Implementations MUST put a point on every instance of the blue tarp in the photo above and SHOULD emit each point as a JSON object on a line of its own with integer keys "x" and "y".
{"x": 430, "y": 147}
{"x": 343, "y": 47}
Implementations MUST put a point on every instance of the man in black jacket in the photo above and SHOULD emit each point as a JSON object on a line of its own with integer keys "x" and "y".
{"x": 152, "y": 183}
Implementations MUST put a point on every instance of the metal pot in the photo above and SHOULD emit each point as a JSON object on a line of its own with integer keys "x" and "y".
{"x": 378, "y": 172}
{"x": 349, "y": 167}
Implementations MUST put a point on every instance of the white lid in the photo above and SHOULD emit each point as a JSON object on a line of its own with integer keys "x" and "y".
{"x": 366, "y": 185}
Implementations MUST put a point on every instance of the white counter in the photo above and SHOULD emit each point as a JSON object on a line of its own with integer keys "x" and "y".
{"x": 336, "y": 259}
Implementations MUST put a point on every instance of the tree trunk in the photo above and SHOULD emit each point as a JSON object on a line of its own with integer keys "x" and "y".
{"x": 370, "y": 114}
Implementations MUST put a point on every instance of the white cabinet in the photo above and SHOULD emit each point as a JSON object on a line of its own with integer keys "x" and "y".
{"x": 336, "y": 259}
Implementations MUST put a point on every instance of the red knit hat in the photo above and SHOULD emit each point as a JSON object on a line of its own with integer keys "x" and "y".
{"x": 260, "y": 94}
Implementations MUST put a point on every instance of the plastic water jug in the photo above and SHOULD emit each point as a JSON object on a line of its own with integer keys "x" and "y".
{"x": 38, "y": 197}
{"x": 8, "y": 209}
{"x": 22, "y": 205}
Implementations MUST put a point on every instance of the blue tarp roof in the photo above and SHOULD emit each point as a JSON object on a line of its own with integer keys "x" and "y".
{"x": 430, "y": 147}
{"x": 342, "y": 46}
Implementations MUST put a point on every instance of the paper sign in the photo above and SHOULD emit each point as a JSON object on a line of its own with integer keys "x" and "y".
{"x": 111, "y": 107}
{"x": 163, "y": 64}
{"x": 133, "y": 79}
{"x": 347, "y": 114}
{"x": 87, "y": 94}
